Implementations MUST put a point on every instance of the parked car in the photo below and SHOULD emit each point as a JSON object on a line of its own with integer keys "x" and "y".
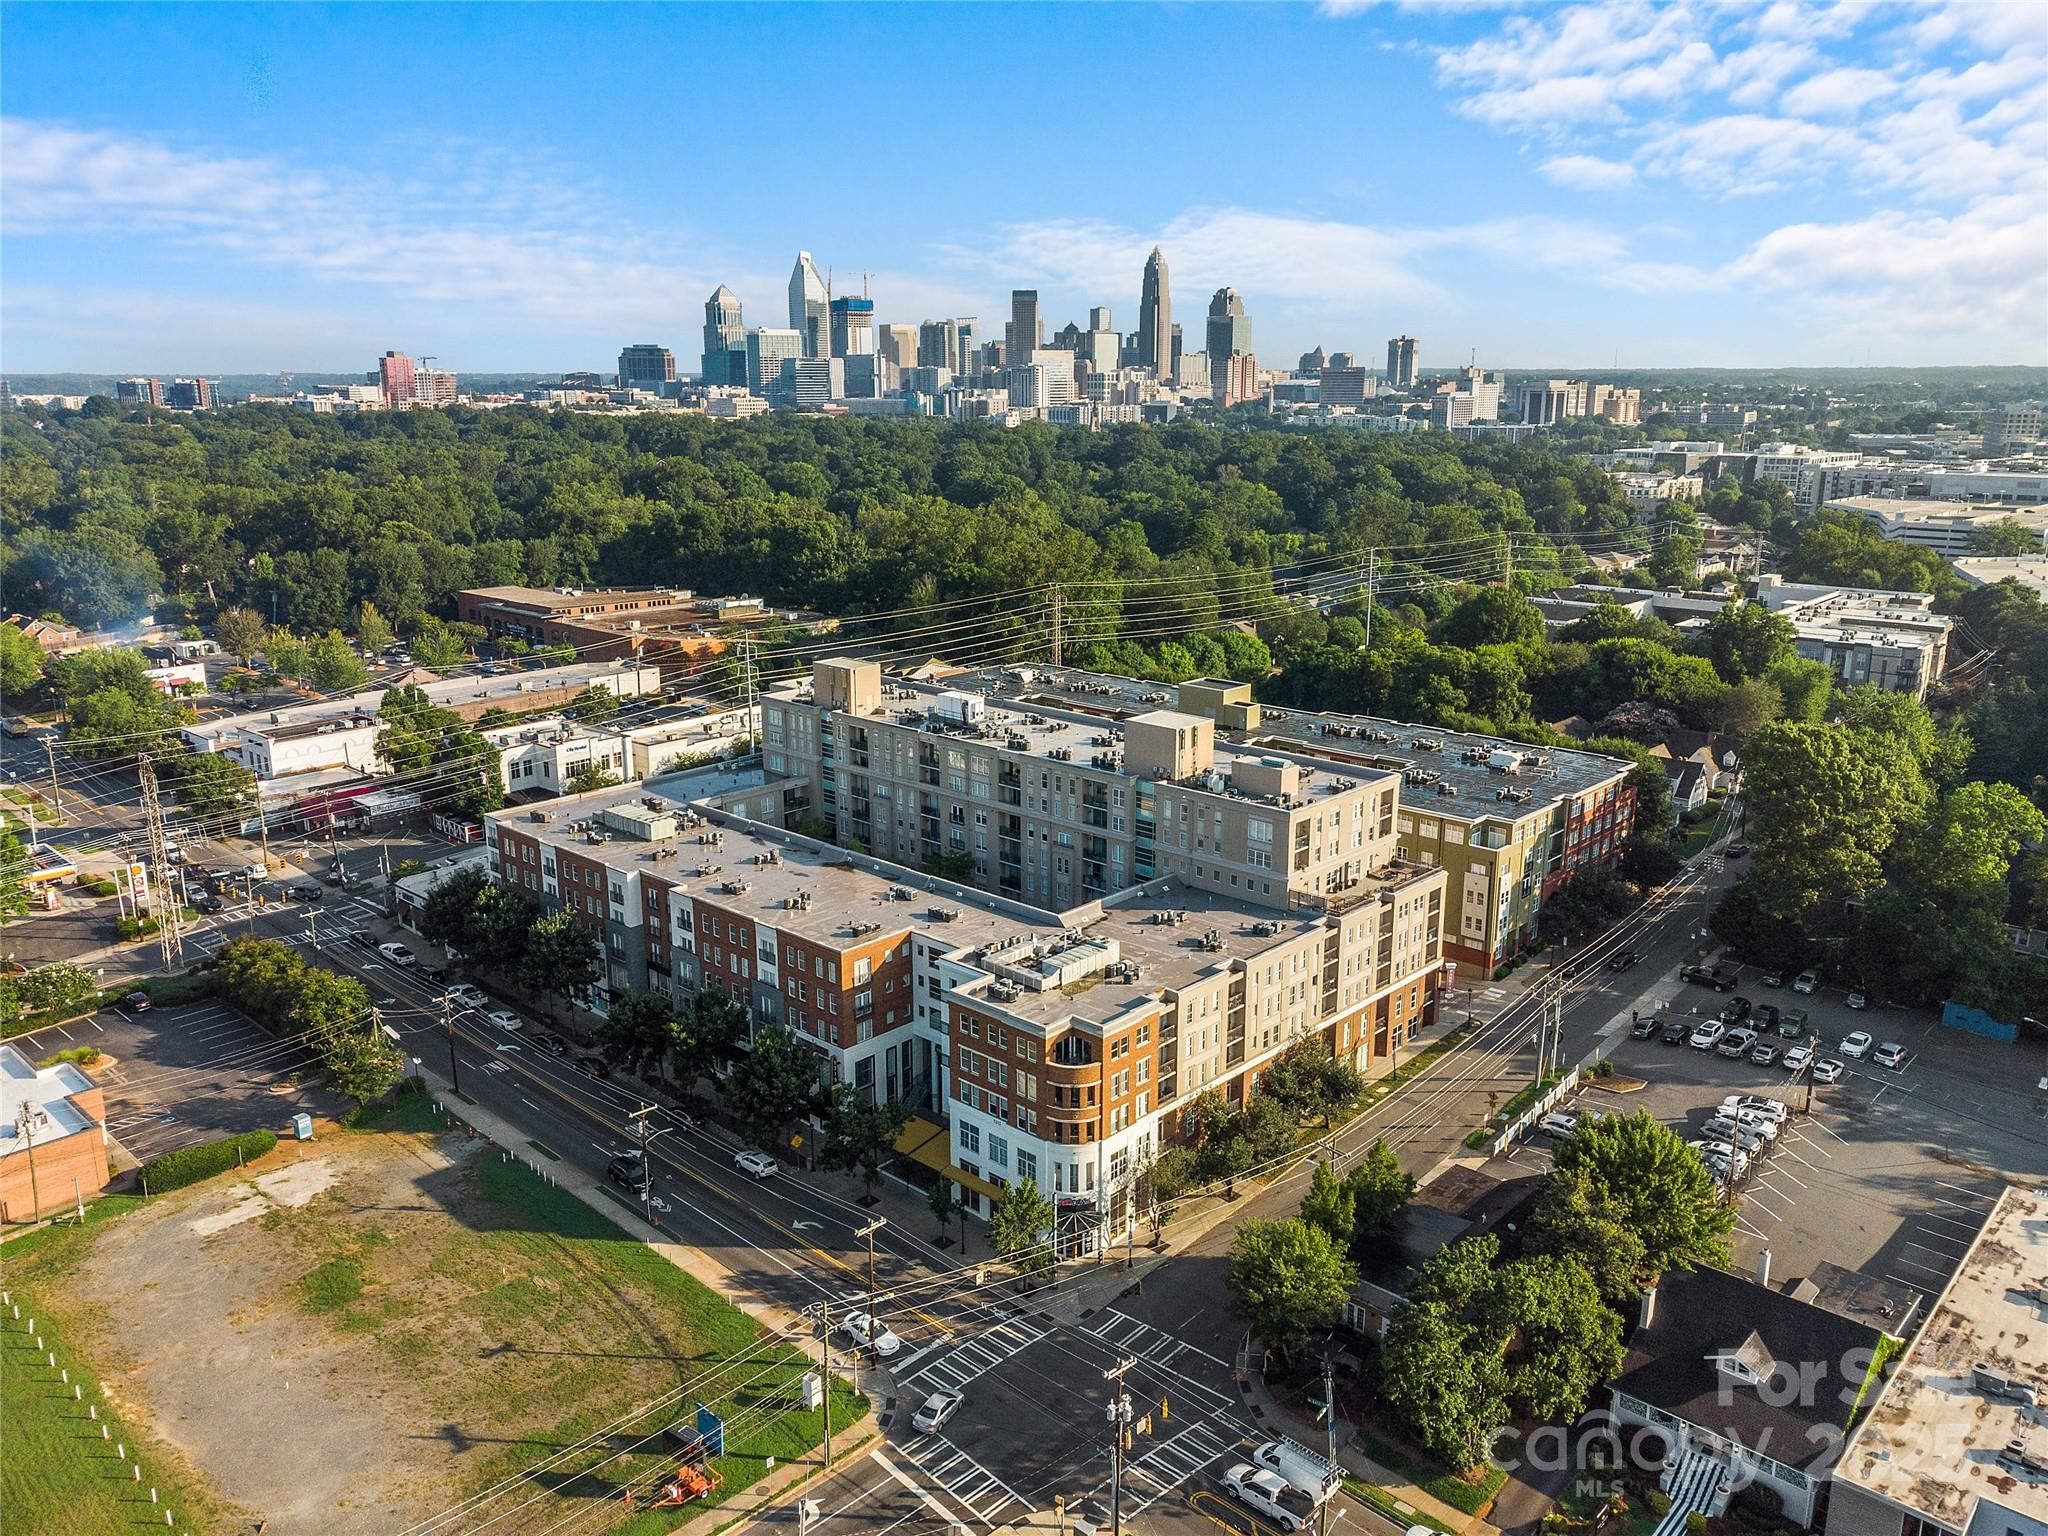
{"x": 432, "y": 972}
{"x": 398, "y": 955}
{"x": 1856, "y": 1045}
{"x": 1720, "y": 979}
{"x": 592, "y": 1066}
{"x": 1738, "y": 1009}
{"x": 1828, "y": 1071}
{"x": 1626, "y": 960}
{"x": 552, "y": 1043}
{"x": 1675, "y": 1032}
{"x": 1763, "y": 1054}
{"x": 1722, "y": 1129}
{"x": 1767, "y": 1016}
{"x": 1806, "y": 982}
{"x": 1708, "y": 1035}
{"x": 1795, "y": 1024}
{"x": 628, "y": 1169}
{"x": 937, "y": 1408}
{"x": 1755, "y": 1104}
{"x": 1557, "y": 1124}
{"x": 1715, "y": 1155}
{"x": 757, "y": 1165}
{"x": 504, "y": 1018}
{"x": 1736, "y": 1043}
{"x": 1269, "y": 1494}
{"x": 1891, "y": 1055}
{"x": 1645, "y": 1027}
{"x": 1859, "y": 998}
{"x": 1736, "y": 851}
{"x": 139, "y": 1001}
{"x": 362, "y": 938}
{"x": 461, "y": 995}
{"x": 1796, "y": 1058}
{"x": 869, "y": 1333}
{"x": 1772, "y": 978}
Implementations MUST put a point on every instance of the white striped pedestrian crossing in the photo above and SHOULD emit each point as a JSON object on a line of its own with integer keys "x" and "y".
{"x": 1156, "y": 1473}
{"x": 963, "y": 1479}
{"x": 1159, "y": 1348}
{"x": 963, "y": 1362}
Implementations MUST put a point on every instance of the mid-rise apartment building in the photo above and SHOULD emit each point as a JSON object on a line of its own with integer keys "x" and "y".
{"x": 1889, "y": 640}
{"x": 1944, "y": 526}
{"x": 1062, "y": 1044}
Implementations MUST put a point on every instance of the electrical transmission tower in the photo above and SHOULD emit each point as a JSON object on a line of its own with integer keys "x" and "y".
{"x": 161, "y": 890}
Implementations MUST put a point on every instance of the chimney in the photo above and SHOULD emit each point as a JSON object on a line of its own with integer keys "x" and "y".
{"x": 1649, "y": 1312}
{"x": 1763, "y": 1269}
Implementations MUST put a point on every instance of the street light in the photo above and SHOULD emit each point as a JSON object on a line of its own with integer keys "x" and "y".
{"x": 29, "y": 1119}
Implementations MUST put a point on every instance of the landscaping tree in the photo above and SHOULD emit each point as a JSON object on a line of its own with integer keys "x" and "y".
{"x": 1329, "y": 1205}
{"x": 588, "y": 777}
{"x": 332, "y": 664}
{"x": 1287, "y": 1279}
{"x": 241, "y": 633}
{"x": 1311, "y": 1082}
{"x": 1745, "y": 640}
{"x": 860, "y": 1134}
{"x": 62, "y": 985}
{"x": 637, "y": 1032}
{"x": 13, "y": 867}
{"x": 707, "y": 1033}
{"x": 1379, "y": 1191}
{"x": 1449, "y": 1393}
{"x": 21, "y": 664}
{"x": 1563, "y": 1340}
{"x": 373, "y": 631}
{"x": 1641, "y": 1171}
{"x": 594, "y": 705}
{"x": 362, "y": 1063}
{"x": 562, "y": 958}
{"x": 1020, "y": 1226}
{"x": 1822, "y": 811}
{"x": 215, "y": 784}
{"x": 943, "y": 1203}
{"x": 1574, "y": 1219}
{"x": 771, "y": 1083}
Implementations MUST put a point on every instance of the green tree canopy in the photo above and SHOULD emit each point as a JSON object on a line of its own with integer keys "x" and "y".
{"x": 1638, "y": 1170}
{"x": 1287, "y": 1279}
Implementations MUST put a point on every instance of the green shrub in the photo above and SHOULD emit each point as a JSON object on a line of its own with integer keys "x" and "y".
{"x": 1695, "y": 1524}
{"x": 174, "y": 1170}
{"x": 1604, "y": 1069}
{"x": 78, "y": 1056}
{"x": 1659, "y": 1502}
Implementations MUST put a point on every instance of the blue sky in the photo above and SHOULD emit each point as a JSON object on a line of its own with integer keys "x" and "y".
{"x": 244, "y": 188}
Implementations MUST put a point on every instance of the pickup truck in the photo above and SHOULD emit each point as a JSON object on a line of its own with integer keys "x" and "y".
{"x": 1269, "y": 1494}
{"x": 1720, "y": 979}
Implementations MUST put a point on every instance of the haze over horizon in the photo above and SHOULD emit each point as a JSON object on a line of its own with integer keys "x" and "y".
{"x": 204, "y": 189}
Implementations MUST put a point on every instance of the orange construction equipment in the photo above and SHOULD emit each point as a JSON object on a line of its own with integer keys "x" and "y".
{"x": 690, "y": 1484}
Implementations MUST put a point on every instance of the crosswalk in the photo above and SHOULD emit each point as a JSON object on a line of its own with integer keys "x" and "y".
{"x": 955, "y": 1365}
{"x": 1165, "y": 1351}
{"x": 964, "y": 1480}
{"x": 1162, "y": 1470}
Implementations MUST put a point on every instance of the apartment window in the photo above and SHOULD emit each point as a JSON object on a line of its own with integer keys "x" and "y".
{"x": 1027, "y": 1166}
{"x": 998, "y": 1152}
{"x": 970, "y": 1138}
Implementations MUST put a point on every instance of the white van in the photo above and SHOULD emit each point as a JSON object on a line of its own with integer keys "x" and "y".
{"x": 1300, "y": 1466}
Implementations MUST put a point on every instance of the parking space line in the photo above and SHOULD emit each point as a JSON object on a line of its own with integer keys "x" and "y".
{"x": 1939, "y": 1274}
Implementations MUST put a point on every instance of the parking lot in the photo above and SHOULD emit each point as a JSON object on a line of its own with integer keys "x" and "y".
{"x": 185, "y": 1075}
{"x": 1892, "y": 1170}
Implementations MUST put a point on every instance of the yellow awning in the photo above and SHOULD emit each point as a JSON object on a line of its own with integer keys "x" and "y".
{"x": 927, "y": 1144}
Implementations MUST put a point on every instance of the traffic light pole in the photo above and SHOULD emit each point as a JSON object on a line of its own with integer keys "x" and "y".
{"x": 448, "y": 1031}
{"x": 1120, "y": 1429}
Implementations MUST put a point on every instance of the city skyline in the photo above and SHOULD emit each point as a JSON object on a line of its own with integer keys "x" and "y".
{"x": 1584, "y": 185}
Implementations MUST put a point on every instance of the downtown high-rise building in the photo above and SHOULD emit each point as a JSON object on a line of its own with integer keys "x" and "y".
{"x": 646, "y": 365}
{"x": 1155, "y": 319}
{"x": 898, "y": 344}
{"x": 725, "y": 340}
{"x": 1026, "y": 333}
{"x": 1402, "y": 365}
{"x": 769, "y": 351}
{"x": 810, "y": 304}
{"x": 853, "y": 327}
{"x": 394, "y": 372}
{"x": 938, "y": 345}
{"x": 1101, "y": 347}
{"x": 1230, "y": 328}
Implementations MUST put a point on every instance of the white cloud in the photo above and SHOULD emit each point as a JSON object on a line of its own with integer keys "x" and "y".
{"x": 1588, "y": 173}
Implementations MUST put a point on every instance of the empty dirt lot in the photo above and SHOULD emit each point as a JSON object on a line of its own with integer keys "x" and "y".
{"x": 363, "y": 1330}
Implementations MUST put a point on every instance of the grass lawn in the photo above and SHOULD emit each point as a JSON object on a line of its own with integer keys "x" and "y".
{"x": 1468, "y": 1493}
{"x": 59, "y": 1478}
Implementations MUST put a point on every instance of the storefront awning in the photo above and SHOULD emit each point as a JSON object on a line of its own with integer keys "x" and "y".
{"x": 926, "y": 1143}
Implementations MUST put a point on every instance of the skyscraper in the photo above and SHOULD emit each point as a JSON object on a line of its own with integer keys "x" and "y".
{"x": 1401, "y": 362}
{"x": 645, "y": 365}
{"x": 394, "y": 372}
{"x": 1101, "y": 346}
{"x": 1025, "y": 335}
{"x": 809, "y": 306}
{"x": 1230, "y": 328}
{"x": 898, "y": 344}
{"x": 725, "y": 340}
{"x": 853, "y": 327}
{"x": 768, "y": 351}
{"x": 938, "y": 345}
{"x": 1155, "y": 319}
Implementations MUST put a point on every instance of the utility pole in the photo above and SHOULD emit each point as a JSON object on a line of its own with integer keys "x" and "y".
{"x": 1372, "y": 582}
{"x": 29, "y": 1119}
{"x": 1120, "y": 1429}
{"x": 874, "y": 1323}
{"x": 639, "y": 1119}
{"x": 50, "y": 753}
{"x": 1330, "y": 1418}
{"x": 448, "y": 1030}
{"x": 825, "y": 1344}
{"x": 1058, "y": 596}
{"x": 168, "y": 934}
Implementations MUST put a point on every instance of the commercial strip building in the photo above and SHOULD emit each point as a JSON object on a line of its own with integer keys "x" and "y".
{"x": 53, "y": 1137}
{"x": 1954, "y": 1443}
{"x": 671, "y": 627}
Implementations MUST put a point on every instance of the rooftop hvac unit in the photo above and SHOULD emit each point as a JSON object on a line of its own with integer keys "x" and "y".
{"x": 943, "y": 914}
{"x": 1993, "y": 1382}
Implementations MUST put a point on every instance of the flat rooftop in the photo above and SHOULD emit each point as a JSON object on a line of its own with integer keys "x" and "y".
{"x": 1934, "y": 1442}
{"x": 1360, "y": 746}
{"x": 1173, "y": 934}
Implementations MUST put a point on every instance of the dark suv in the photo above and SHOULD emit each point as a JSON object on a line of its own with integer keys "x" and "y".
{"x": 629, "y": 1171}
{"x": 1676, "y": 1031}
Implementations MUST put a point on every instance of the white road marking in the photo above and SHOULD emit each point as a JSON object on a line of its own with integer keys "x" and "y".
{"x": 902, "y": 1477}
